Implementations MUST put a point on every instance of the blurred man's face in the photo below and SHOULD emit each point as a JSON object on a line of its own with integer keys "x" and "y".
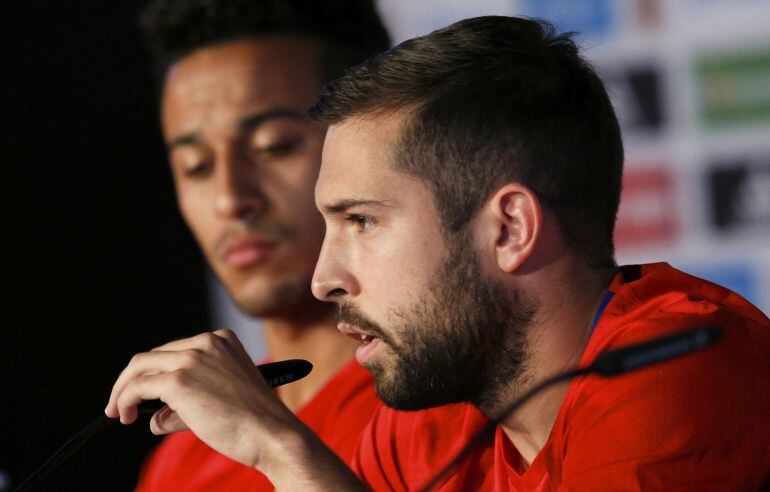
{"x": 245, "y": 157}
{"x": 433, "y": 328}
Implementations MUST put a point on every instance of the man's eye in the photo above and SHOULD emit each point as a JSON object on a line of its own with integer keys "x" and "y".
{"x": 362, "y": 222}
{"x": 197, "y": 170}
{"x": 191, "y": 161}
{"x": 278, "y": 149}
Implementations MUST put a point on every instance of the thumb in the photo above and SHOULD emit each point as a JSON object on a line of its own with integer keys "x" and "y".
{"x": 166, "y": 421}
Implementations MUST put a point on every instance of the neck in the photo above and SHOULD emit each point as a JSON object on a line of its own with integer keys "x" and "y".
{"x": 556, "y": 340}
{"x": 316, "y": 340}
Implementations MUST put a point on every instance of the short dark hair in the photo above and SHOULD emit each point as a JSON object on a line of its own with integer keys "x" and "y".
{"x": 349, "y": 31}
{"x": 491, "y": 100}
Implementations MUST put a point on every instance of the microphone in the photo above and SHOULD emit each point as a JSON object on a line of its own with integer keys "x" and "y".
{"x": 609, "y": 364}
{"x": 275, "y": 373}
{"x": 284, "y": 371}
{"x": 639, "y": 355}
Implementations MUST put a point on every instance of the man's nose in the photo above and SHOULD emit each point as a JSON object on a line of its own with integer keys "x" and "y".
{"x": 332, "y": 280}
{"x": 239, "y": 191}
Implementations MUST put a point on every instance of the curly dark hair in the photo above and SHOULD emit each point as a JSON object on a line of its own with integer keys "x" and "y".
{"x": 349, "y": 31}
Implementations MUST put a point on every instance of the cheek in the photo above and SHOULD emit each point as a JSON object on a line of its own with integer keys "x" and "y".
{"x": 196, "y": 214}
{"x": 309, "y": 230}
{"x": 395, "y": 271}
{"x": 300, "y": 190}
{"x": 294, "y": 190}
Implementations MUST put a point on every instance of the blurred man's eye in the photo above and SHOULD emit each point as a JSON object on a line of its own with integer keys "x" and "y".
{"x": 278, "y": 139}
{"x": 199, "y": 169}
{"x": 279, "y": 148}
{"x": 190, "y": 162}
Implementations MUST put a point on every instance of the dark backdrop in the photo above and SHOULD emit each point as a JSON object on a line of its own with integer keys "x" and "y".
{"x": 97, "y": 262}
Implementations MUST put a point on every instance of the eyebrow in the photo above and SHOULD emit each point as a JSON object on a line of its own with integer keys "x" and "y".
{"x": 344, "y": 205}
{"x": 255, "y": 120}
{"x": 248, "y": 123}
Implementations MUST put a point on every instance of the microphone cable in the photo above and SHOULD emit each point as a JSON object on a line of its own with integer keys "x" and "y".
{"x": 609, "y": 364}
{"x": 275, "y": 373}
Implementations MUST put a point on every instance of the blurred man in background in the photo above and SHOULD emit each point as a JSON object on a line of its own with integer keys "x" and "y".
{"x": 238, "y": 78}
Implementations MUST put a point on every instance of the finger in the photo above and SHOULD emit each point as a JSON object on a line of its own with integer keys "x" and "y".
{"x": 228, "y": 335}
{"x": 143, "y": 388}
{"x": 166, "y": 421}
{"x": 144, "y": 363}
{"x": 233, "y": 342}
{"x": 201, "y": 341}
{"x": 148, "y": 363}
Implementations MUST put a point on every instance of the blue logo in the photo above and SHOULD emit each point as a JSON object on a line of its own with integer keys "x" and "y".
{"x": 738, "y": 277}
{"x": 590, "y": 18}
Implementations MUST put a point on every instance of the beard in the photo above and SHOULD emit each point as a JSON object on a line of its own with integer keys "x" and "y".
{"x": 463, "y": 341}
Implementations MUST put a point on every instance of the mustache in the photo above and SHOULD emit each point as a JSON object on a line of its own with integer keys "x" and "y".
{"x": 275, "y": 231}
{"x": 350, "y": 314}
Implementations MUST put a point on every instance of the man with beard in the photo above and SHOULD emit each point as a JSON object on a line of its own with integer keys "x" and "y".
{"x": 238, "y": 78}
{"x": 469, "y": 184}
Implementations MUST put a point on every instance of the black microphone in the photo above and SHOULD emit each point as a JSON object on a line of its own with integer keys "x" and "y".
{"x": 284, "y": 371}
{"x": 275, "y": 373}
{"x": 609, "y": 364}
{"x": 643, "y": 354}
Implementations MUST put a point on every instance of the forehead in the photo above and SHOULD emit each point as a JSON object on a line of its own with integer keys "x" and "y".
{"x": 358, "y": 163}
{"x": 216, "y": 84}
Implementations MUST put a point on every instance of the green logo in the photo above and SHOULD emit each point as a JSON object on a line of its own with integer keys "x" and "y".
{"x": 734, "y": 89}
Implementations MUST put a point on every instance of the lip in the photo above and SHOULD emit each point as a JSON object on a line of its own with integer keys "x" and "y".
{"x": 352, "y": 331}
{"x": 248, "y": 251}
{"x": 367, "y": 350}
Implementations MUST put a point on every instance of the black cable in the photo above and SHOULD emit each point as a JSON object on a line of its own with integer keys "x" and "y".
{"x": 63, "y": 453}
{"x": 609, "y": 364}
{"x": 275, "y": 373}
{"x": 489, "y": 429}
{"x": 69, "y": 447}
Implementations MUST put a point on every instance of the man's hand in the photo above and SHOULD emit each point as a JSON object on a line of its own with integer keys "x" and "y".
{"x": 211, "y": 386}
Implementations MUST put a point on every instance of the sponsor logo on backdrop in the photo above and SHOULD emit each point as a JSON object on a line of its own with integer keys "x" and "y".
{"x": 648, "y": 13}
{"x": 740, "y": 277}
{"x": 589, "y": 18}
{"x": 647, "y": 211}
{"x": 637, "y": 95}
{"x": 704, "y": 6}
{"x": 739, "y": 192}
{"x": 734, "y": 88}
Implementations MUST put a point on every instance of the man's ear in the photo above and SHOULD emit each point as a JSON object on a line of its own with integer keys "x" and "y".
{"x": 518, "y": 218}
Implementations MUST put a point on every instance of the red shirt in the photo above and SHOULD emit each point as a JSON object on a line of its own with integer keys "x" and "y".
{"x": 701, "y": 422}
{"x": 338, "y": 413}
